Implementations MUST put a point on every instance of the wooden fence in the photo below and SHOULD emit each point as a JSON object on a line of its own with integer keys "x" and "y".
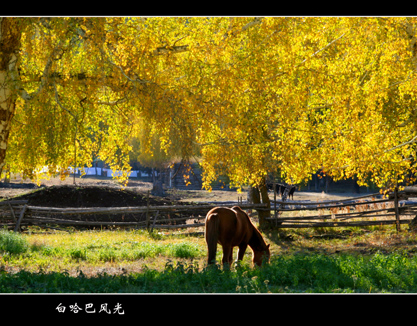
{"x": 358, "y": 211}
{"x": 367, "y": 210}
{"x": 15, "y": 214}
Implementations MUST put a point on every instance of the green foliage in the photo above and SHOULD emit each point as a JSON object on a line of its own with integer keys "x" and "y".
{"x": 12, "y": 243}
{"x": 294, "y": 273}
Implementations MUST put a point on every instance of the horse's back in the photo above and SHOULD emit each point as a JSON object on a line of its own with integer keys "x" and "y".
{"x": 232, "y": 224}
{"x": 226, "y": 216}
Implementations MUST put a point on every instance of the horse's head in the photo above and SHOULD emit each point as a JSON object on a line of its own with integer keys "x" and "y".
{"x": 260, "y": 256}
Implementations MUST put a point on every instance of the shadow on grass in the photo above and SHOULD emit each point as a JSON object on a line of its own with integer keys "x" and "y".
{"x": 314, "y": 273}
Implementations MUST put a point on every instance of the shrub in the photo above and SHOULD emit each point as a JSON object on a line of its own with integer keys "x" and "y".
{"x": 12, "y": 242}
{"x": 107, "y": 254}
{"x": 183, "y": 250}
{"x": 78, "y": 253}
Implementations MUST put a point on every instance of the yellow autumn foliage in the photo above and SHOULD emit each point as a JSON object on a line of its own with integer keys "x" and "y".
{"x": 248, "y": 96}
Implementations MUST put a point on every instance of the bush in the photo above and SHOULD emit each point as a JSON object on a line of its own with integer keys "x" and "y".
{"x": 12, "y": 242}
{"x": 183, "y": 250}
{"x": 78, "y": 253}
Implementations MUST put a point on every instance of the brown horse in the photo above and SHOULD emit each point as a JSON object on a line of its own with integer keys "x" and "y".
{"x": 231, "y": 228}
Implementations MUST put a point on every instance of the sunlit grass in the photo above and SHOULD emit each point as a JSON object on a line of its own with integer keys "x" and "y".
{"x": 303, "y": 260}
{"x": 57, "y": 251}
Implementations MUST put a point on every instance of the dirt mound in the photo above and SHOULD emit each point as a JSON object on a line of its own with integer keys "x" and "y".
{"x": 76, "y": 196}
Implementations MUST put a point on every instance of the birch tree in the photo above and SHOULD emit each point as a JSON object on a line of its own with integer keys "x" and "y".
{"x": 247, "y": 95}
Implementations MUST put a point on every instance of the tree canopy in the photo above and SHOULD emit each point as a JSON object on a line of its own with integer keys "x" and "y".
{"x": 248, "y": 96}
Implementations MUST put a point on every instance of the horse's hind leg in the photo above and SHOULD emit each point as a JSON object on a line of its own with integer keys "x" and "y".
{"x": 227, "y": 255}
{"x": 212, "y": 255}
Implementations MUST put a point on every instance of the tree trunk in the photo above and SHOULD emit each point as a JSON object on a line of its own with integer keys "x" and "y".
{"x": 157, "y": 189}
{"x": 10, "y": 32}
{"x": 263, "y": 223}
{"x": 255, "y": 195}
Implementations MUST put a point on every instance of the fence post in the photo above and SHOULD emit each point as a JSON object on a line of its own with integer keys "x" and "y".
{"x": 397, "y": 212}
{"x": 147, "y": 211}
{"x": 275, "y": 202}
{"x": 154, "y": 221}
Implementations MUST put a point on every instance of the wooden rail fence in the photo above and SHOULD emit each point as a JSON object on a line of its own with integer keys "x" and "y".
{"x": 15, "y": 214}
{"x": 396, "y": 209}
{"x": 360, "y": 211}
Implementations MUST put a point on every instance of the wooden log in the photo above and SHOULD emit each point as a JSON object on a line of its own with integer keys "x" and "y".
{"x": 12, "y": 211}
{"x": 410, "y": 189}
{"x": 275, "y": 199}
{"x": 330, "y": 217}
{"x": 320, "y": 206}
{"x": 76, "y": 222}
{"x": 328, "y": 201}
{"x": 130, "y": 210}
{"x": 52, "y": 220}
{"x": 147, "y": 211}
{"x": 82, "y": 211}
{"x": 13, "y": 202}
{"x": 22, "y": 213}
{"x": 403, "y": 210}
{"x": 180, "y": 226}
{"x": 154, "y": 220}
{"x": 89, "y": 223}
{"x": 397, "y": 213}
{"x": 183, "y": 218}
{"x": 327, "y": 216}
{"x": 342, "y": 224}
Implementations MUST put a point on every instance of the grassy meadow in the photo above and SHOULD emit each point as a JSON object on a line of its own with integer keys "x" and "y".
{"x": 354, "y": 260}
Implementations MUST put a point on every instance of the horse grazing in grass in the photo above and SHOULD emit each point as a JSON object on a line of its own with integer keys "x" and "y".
{"x": 231, "y": 228}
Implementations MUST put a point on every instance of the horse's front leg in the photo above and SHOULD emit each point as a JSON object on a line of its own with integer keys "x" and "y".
{"x": 231, "y": 255}
{"x": 241, "y": 252}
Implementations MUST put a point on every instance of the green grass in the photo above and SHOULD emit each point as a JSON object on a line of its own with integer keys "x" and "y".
{"x": 136, "y": 261}
{"x": 290, "y": 274}
{"x": 92, "y": 249}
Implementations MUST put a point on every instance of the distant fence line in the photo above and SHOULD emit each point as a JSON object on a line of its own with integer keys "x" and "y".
{"x": 106, "y": 172}
{"x": 109, "y": 172}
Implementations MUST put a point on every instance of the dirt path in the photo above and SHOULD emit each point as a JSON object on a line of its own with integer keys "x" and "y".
{"x": 20, "y": 187}
{"x": 221, "y": 195}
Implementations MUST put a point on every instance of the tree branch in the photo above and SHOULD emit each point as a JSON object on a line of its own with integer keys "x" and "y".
{"x": 60, "y": 104}
{"x": 112, "y": 103}
{"x": 44, "y": 78}
{"x": 173, "y": 49}
{"x": 414, "y": 140}
{"x": 254, "y": 22}
{"x": 322, "y": 49}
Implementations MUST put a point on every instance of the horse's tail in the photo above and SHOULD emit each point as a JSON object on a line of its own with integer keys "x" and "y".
{"x": 212, "y": 236}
